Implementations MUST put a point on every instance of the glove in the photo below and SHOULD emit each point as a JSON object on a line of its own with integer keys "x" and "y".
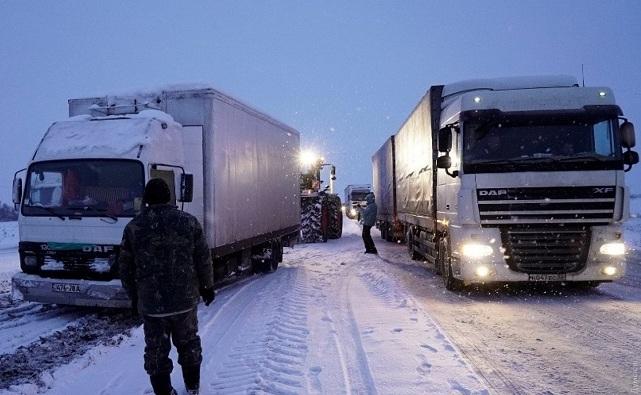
{"x": 208, "y": 295}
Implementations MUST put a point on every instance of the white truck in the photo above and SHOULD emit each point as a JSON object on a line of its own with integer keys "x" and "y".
{"x": 510, "y": 180}
{"x": 233, "y": 167}
{"x": 355, "y": 199}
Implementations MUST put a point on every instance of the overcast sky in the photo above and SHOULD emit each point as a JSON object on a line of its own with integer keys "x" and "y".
{"x": 344, "y": 73}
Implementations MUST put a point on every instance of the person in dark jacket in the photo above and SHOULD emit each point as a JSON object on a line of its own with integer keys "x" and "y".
{"x": 369, "y": 220}
{"x": 165, "y": 267}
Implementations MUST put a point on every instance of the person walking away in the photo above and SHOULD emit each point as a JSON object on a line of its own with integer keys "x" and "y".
{"x": 165, "y": 267}
{"x": 369, "y": 220}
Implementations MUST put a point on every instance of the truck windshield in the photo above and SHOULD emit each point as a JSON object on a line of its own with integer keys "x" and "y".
{"x": 358, "y": 195}
{"x": 84, "y": 188}
{"x": 569, "y": 145}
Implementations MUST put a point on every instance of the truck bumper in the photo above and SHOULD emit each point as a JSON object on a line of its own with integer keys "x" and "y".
{"x": 34, "y": 288}
{"x": 500, "y": 272}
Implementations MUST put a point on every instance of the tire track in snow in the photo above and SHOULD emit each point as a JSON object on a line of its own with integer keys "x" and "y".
{"x": 262, "y": 345}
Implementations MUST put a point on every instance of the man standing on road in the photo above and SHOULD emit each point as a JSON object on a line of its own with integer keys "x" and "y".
{"x": 165, "y": 267}
{"x": 369, "y": 220}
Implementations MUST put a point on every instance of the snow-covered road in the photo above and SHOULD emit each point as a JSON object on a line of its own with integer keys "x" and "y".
{"x": 332, "y": 320}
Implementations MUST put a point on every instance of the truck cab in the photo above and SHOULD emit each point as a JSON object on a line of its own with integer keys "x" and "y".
{"x": 531, "y": 182}
{"x": 81, "y": 188}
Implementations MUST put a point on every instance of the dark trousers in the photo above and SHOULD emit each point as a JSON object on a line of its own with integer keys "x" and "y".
{"x": 367, "y": 239}
{"x": 183, "y": 331}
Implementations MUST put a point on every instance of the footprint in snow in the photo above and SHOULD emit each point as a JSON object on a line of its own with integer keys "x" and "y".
{"x": 397, "y": 330}
{"x": 432, "y": 349}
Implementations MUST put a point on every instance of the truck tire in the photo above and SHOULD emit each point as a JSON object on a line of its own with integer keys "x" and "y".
{"x": 383, "y": 229}
{"x": 310, "y": 222}
{"x": 335, "y": 216}
{"x": 389, "y": 233}
{"x": 410, "y": 245}
{"x": 451, "y": 283}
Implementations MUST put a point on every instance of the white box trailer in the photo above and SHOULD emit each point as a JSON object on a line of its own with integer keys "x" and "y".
{"x": 510, "y": 180}
{"x": 245, "y": 188}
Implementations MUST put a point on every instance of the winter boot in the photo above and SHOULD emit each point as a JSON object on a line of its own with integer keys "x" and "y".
{"x": 191, "y": 376}
{"x": 161, "y": 384}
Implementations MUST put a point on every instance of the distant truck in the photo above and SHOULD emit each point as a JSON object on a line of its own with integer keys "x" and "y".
{"x": 233, "y": 167}
{"x": 355, "y": 199}
{"x": 510, "y": 180}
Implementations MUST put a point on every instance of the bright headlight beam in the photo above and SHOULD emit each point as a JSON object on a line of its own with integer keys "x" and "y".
{"x": 308, "y": 158}
{"x": 476, "y": 250}
{"x": 613, "y": 249}
{"x": 482, "y": 271}
{"x": 609, "y": 270}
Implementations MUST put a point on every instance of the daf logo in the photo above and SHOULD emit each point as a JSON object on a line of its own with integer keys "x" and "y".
{"x": 602, "y": 190}
{"x": 97, "y": 248}
{"x": 493, "y": 192}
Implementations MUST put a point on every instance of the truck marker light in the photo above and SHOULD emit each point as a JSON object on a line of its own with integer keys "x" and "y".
{"x": 477, "y": 99}
{"x": 614, "y": 248}
{"x": 609, "y": 270}
{"x": 602, "y": 94}
{"x": 482, "y": 271}
{"x": 475, "y": 250}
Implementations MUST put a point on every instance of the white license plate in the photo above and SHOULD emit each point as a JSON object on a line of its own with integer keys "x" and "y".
{"x": 547, "y": 277}
{"x": 69, "y": 288}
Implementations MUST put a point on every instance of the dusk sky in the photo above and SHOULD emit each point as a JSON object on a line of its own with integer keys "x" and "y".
{"x": 344, "y": 73}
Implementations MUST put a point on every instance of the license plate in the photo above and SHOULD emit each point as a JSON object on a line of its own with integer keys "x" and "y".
{"x": 547, "y": 277}
{"x": 69, "y": 288}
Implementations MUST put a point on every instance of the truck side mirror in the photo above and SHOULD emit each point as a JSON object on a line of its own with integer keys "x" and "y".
{"x": 626, "y": 131}
{"x": 333, "y": 173}
{"x": 444, "y": 162}
{"x": 186, "y": 188}
{"x": 445, "y": 140}
{"x": 17, "y": 190}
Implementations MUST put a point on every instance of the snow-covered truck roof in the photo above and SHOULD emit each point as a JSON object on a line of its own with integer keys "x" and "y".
{"x": 158, "y": 98}
{"x": 521, "y": 94}
{"x": 103, "y": 137}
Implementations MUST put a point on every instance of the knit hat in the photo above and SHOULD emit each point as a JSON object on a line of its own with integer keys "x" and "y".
{"x": 156, "y": 192}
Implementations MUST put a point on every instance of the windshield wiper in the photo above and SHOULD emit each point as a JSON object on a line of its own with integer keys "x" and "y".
{"x": 50, "y": 210}
{"x": 102, "y": 212}
{"x": 581, "y": 158}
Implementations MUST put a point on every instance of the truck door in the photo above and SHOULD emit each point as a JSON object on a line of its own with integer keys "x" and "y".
{"x": 193, "y": 154}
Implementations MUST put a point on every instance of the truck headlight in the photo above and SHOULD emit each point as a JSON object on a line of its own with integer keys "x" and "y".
{"x": 482, "y": 271}
{"x": 476, "y": 250}
{"x": 609, "y": 270}
{"x": 615, "y": 248}
{"x": 352, "y": 212}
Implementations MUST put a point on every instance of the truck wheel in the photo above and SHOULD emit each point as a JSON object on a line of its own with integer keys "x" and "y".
{"x": 410, "y": 245}
{"x": 335, "y": 216}
{"x": 383, "y": 231}
{"x": 440, "y": 258}
{"x": 310, "y": 224}
{"x": 389, "y": 232}
{"x": 451, "y": 283}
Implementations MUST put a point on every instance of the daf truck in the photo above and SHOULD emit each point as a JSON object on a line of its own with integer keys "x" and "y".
{"x": 231, "y": 166}
{"x": 510, "y": 180}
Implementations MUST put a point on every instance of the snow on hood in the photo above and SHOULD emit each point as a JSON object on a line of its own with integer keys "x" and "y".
{"x": 113, "y": 136}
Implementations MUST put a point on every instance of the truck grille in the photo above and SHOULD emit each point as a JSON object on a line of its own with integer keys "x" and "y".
{"x": 546, "y": 250}
{"x": 554, "y": 205}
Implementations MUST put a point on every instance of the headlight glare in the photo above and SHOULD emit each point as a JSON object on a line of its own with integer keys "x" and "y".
{"x": 476, "y": 250}
{"x": 613, "y": 248}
